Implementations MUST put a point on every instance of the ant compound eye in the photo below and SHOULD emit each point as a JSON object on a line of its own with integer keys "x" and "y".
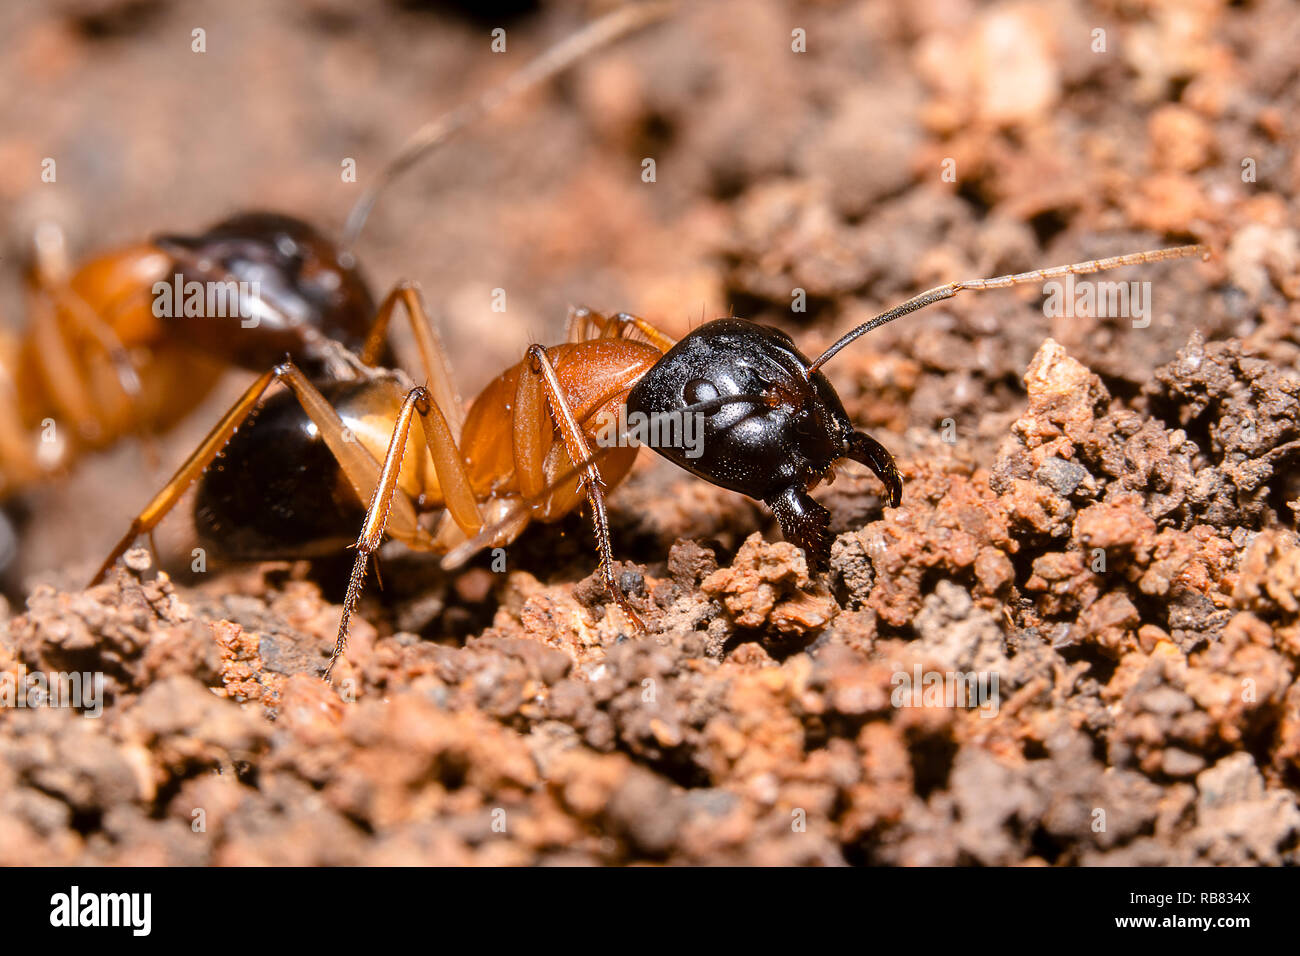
{"x": 699, "y": 390}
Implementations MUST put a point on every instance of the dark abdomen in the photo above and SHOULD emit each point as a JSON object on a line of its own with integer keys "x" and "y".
{"x": 277, "y": 491}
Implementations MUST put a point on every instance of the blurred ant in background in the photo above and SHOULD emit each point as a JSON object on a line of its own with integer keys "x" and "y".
{"x": 96, "y": 355}
{"x": 97, "y": 361}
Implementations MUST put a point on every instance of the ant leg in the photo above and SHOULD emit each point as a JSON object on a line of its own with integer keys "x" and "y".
{"x": 582, "y": 320}
{"x": 113, "y": 380}
{"x": 453, "y": 480}
{"x": 659, "y": 339}
{"x": 63, "y": 380}
{"x": 578, "y": 327}
{"x": 99, "y": 403}
{"x": 428, "y": 341}
{"x": 20, "y": 464}
{"x": 358, "y": 465}
{"x": 538, "y": 384}
{"x": 513, "y": 515}
{"x": 95, "y": 411}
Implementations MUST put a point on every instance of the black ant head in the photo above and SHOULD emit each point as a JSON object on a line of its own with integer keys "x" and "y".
{"x": 734, "y": 403}
{"x": 299, "y": 289}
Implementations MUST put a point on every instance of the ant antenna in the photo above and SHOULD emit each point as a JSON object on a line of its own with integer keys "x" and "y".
{"x": 939, "y": 293}
{"x": 612, "y": 26}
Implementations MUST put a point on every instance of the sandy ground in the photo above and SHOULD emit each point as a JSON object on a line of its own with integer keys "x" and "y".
{"x": 1101, "y": 516}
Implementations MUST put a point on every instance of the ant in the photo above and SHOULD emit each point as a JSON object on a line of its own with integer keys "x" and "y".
{"x": 773, "y": 427}
{"x": 97, "y": 354}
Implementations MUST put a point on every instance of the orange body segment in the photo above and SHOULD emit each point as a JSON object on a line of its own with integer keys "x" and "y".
{"x": 596, "y": 376}
{"x": 95, "y": 359}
